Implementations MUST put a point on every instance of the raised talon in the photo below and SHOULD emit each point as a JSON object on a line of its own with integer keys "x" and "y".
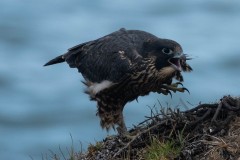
{"x": 176, "y": 84}
{"x": 186, "y": 90}
{"x": 182, "y": 89}
{"x": 169, "y": 93}
{"x": 179, "y": 83}
{"x": 174, "y": 89}
{"x": 164, "y": 91}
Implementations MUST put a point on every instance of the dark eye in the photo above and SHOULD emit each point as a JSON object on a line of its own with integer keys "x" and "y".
{"x": 167, "y": 51}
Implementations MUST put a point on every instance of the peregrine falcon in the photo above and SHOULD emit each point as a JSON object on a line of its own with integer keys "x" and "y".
{"x": 123, "y": 65}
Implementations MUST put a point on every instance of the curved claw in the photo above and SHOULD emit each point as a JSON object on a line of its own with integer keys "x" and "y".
{"x": 169, "y": 93}
{"x": 179, "y": 83}
{"x": 185, "y": 89}
{"x": 136, "y": 99}
{"x": 176, "y": 84}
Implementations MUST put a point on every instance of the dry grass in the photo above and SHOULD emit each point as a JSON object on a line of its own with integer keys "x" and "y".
{"x": 208, "y": 131}
{"x": 221, "y": 148}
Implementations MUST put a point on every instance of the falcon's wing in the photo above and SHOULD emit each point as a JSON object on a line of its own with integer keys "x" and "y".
{"x": 108, "y": 58}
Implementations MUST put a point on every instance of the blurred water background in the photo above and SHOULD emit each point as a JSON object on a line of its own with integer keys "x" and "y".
{"x": 41, "y": 106}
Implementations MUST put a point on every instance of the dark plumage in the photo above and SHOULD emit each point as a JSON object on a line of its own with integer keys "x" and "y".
{"x": 123, "y": 65}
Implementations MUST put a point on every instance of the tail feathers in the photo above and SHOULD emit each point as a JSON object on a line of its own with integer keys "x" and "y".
{"x": 56, "y": 60}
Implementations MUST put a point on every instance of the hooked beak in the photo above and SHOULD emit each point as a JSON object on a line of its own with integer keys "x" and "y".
{"x": 176, "y": 61}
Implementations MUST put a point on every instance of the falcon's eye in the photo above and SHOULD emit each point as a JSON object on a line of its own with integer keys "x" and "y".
{"x": 167, "y": 51}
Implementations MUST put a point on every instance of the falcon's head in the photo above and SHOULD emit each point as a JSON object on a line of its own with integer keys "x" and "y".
{"x": 169, "y": 57}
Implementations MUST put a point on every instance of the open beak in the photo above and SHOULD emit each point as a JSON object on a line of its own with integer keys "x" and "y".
{"x": 176, "y": 61}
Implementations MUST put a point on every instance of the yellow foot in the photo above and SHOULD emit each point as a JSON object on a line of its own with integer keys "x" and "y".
{"x": 174, "y": 87}
{"x": 125, "y": 134}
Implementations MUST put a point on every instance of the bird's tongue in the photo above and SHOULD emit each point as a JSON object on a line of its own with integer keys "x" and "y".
{"x": 175, "y": 62}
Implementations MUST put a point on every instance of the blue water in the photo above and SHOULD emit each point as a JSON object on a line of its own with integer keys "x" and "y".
{"x": 40, "y": 107}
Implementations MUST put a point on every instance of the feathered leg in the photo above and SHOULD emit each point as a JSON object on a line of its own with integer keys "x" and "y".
{"x": 111, "y": 115}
